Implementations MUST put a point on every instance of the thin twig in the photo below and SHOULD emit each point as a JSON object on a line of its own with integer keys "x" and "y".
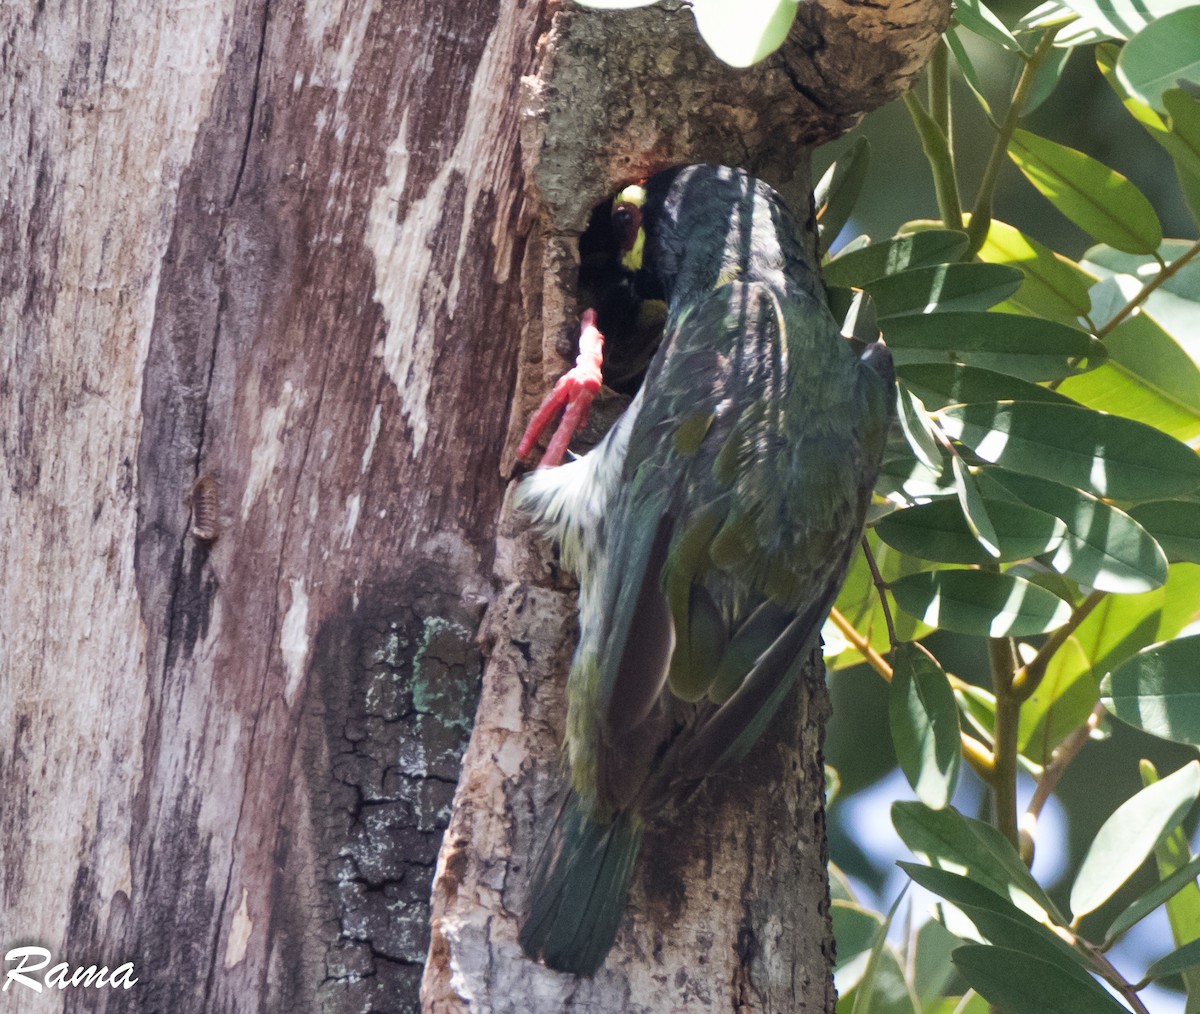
{"x": 1030, "y": 676}
{"x": 1060, "y": 760}
{"x": 881, "y": 591}
{"x": 981, "y": 214}
{"x": 1109, "y": 972}
{"x": 861, "y": 644}
{"x": 981, "y": 759}
{"x": 1004, "y": 738}
{"x": 941, "y": 164}
{"x": 1164, "y": 275}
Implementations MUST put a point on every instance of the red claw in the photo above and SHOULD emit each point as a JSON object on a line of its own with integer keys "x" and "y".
{"x": 575, "y": 390}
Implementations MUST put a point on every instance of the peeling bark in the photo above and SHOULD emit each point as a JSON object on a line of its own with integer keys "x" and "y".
{"x": 309, "y": 251}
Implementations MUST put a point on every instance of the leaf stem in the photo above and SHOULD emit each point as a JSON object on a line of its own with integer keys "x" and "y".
{"x": 861, "y": 644}
{"x": 936, "y": 146}
{"x": 981, "y": 759}
{"x": 1062, "y": 757}
{"x": 1105, "y": 967}
{"x": 981, "y": 213}
{"x": 1143, "y": 294}
{"x": 939, "y": 92}
{"x": 881, "y": 591}
{"x": 1008, "y": 714}
{"x": 1027, "y": 679}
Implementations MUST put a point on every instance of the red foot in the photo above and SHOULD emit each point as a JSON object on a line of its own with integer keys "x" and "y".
{"x": 575, "y": 389}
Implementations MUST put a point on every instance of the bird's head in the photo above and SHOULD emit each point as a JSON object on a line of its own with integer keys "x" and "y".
{"x": 627, "y": 224}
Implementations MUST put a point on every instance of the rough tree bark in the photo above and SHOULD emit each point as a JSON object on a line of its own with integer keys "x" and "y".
{"x": 309, "y": 251}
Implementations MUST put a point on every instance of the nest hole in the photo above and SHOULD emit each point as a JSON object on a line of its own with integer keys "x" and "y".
{"x": 628, "y": 313}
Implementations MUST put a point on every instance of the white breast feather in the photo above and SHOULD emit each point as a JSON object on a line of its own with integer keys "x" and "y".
{"x": 568, "y": 502}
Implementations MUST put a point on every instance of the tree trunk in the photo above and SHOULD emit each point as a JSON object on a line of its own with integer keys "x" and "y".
{"x": 305, "y": 253}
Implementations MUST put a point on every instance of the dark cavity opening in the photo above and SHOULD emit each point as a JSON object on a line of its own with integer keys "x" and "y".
{"x": 631, "y": 322}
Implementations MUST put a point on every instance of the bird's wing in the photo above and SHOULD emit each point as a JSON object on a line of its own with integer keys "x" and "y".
{"x": 746, "y": 477}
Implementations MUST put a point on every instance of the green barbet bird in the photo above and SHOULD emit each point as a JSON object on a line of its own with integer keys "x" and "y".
{"x": 710, "y": 529}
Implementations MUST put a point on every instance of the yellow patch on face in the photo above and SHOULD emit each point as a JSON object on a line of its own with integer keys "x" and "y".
{"x": 632, "y": 259}
{"x": 633, "y": 196}
{"x": 728, "y": 275}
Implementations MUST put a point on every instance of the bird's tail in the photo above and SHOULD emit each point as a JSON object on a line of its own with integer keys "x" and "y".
{"x": 579, "y": 889}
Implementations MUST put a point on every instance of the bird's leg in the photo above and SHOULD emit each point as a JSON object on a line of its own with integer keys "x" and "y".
{"x": 575, "y": 390}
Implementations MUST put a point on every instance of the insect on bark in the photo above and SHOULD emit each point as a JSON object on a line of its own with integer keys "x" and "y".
{"x": 206, "y": 509}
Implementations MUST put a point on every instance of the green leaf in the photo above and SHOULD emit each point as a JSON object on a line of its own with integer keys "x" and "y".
{"x": 1175, "y": 305}
{"x": 975, "y": 16}
{"x": 1121, "y": 625}
{"x": 860, "y": 321}
{"x": 1177, "y": 962}
{"x": 997, "y": 919}
{"x": 888, "y": 991}
{"x": 973, "y": 508}
{"x": 1181, "y": 139}
{"x": 947, "y": 840}
{"x": 1157, "y": 690}
{"x": 979, "y": 708}
{"x": 1115, "y": 390}
{"x": 1005, "y": 342}
{"x": 1062, "y": 702}
{"x": 744, "y": 33}
{"x": 836, "y": 194}
{"x": 944, "y": 287}
{"x": 980, "y": 602}
{"x": 1158, "y": 895}
{"x": 1046, "y": 15}
{"x": 1108, "y": 454}
{"x": 1128, "y": 837}
{"x": 1149, "y": 376}
{"x": 918, "y": 428}
{"x": 932, "y": 970}
{"x": 1183, "y": 117}
{"x": 906, "y": 477}
{"x": 615, "y": 5}
{"x": 1175, "y": 525}
{"x": 1097, "y": 199}
{"x": 1103, "y": 547}
{"x": 1161, "y": 55}
{"x": 854, "y": 929}
{"x": 893, "y": 985}
{"x": 966, "y": 67}
{"x": 1142, "y": 349}
{"x": 1183, "y": 910}
{"x": 1054, "y": 286}
{"x": 859, "y": 267}
{"x": 859, "y": 603}
{"x": 941, "y": 384}
{"x": 924, "y": 722}
{"x": 1019, "y": 982}
{"x": 938, "y": 531}
{"x": 1046, "y": 79}
{"x": 1071, "y": 30}
{"x": 839, "y": 885}
{"x": 1123, "y": 19}
{"x": 971, "y": 1003}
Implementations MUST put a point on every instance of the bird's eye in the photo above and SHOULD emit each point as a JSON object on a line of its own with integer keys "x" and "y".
{"x": 626, "y": 220}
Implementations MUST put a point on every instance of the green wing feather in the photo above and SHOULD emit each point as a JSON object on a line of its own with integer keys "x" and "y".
{"x": 711, "y": 530}
{"x": 755, "y": 452}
